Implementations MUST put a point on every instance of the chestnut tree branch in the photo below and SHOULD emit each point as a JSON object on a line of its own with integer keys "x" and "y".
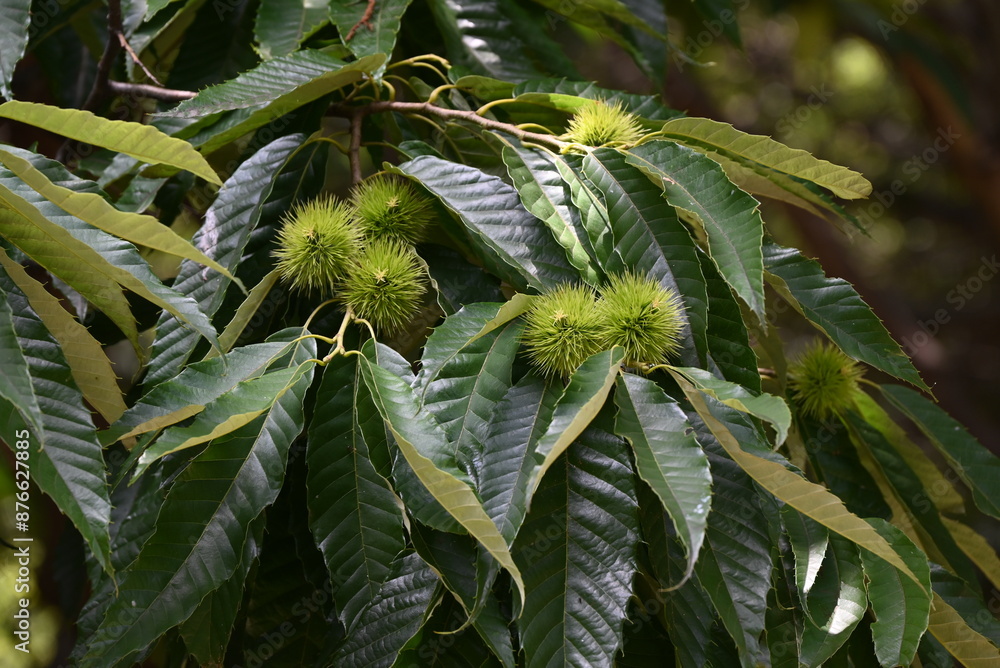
{"x": 153, "y": 92}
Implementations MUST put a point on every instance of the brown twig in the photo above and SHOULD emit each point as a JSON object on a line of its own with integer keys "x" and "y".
{"x": 135, "y": 59}
{"x": 451, "y": 114}
{"x": 366, "y": 21}
{"x": 354, "y": 152}
{"x": 111, "y": 50}
{"x": 153, "y": 92}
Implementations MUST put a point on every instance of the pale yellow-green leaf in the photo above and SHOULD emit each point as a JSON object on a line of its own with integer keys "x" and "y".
{"x": 517, "y": 305}
{"x": 91, "y": 208}
{"x": 967, "y": 645}
{"x": 755, "y": 183}
{"x": 706, "y": 134}
{"x": 53, "y": 247}
{"x": 142, "y": 142}
{"x": 163, "y": 421}
{"x": 944, "y": 495}
{"x": 578, "y": 406}
{"x": 90, "y": 367}
{"x": 977, "y": 548}
{"x": 244, "y": 313}
{"x": 810, "y": 499}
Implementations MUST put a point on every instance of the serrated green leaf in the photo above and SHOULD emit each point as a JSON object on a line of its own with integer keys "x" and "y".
{"x": 978, "y": 467}
{"x": 835, "y": 308}
{"x": 764, "y": 406}
{"x": 420, "y": 439}
{"x": 16, "y": 17}
{"x": 441, "y": 646}
{"x": 224, "y": 234}
{"x": 577, "y": 551}
{"x": 966, "y": 601}
{"x": 512, "y": 242}
{"x": 207, "y": 631}
{"x": 808, "y": 540}
{"x": 269, "y": 91}
{"x": 838, "y": 603}
{"x": 518, "y": 421}
{"x": 570, "y": 96}
{"x": 354, "y": 515}
{"x": 15, "y": 378}
{"x": 668, "y": 458}
{"x": 95, "y": 210}
{"x": 246, "y": 311}
{"x": 231, "y": 411}
{"x": 142, "y": 142}
{"x": 728, "y": 338}
{"x": 496, "y": 38}
{"x": 403, "y": 605}
{"x": 378, "y": 35}
{"x": 115, "y": 263}
{"x": 730, "y": 218}
{"x": 650, "y": 239}
{"x": 65, "y": 459}
{"x": 581, "y": 401}
{"x": 735, "y": 562}
{"x": 457, "y": 281}
{"x": 763, "y": 152}
{"x": 593, "y": 212}
{"x": 202, "y": 527}
{"x": 282, "y": 25}
{"x": 545, "y": 194}
{"x": 808, "y": 498}
{"x": 901, "y": 605}
{"x": 969, "y": 647}
{"x": 914, "y": 497}
{"x": 87, "y": 361}
{"x": 195, "y": 387}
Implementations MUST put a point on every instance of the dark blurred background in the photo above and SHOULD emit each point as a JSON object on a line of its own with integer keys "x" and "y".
{"x": 908, "y": 93}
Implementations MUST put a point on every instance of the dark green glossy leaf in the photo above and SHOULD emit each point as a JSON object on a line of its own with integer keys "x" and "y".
{"x": 837, "y": 603}
{"x": 914, "y": 497}
{"x": 463, "y": 376}
{"x": 900, "y": 605}
{"x": 207, "y": 631}
{"x": 65, "y": 459}
{"x": 15, "y": 379}
{"x": 809, "y": 541}
{"x": 458, "y": 281}
{"x": 378, "y": 35}
{"x": 353, "y": 513}
{"x": 696, "y": 184}
{"x": 835, "y": 308}
{"x": 496, "y": 38}
{"x": 16, "y": 16}
{"x": 440, "y": 646}
{"x": 425, "y": 446}
{"x": 394, "y": 617}
{"x": 579, "y": 404}
{"x": 224, "y": 234}
{"x": 512, "y": 243}
{"x": 668, "y": 458}
{"x": 967, "y": 602}
{"x": 735, "y": 562}
{"x": 650, "y": 239}
{"x": 728, "y": 340}
{"x": 554, "y": 93}
{"x": 282, "y": 25}
{"x": 202, "y": 527}
{"x": 518, "y": 421}
{"x": 978, "y": 467}
{"x": 577, "y": 551}
{"x": 195, "y": 387}
{"x": 545, "y": 194}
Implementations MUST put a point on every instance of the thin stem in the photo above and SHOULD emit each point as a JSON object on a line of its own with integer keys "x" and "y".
{"x": 495, "y": 103}
{"x": 366, "y": 21}
{"x": 453, "y": 114}
{"x": 111, "y": 50}
{"x": 153, "y": 92}
{"x": 357, "y": 115}
{"x": 316, "y": 312}
{"x": 136, "y": 60}
{"x": 437, "y": 91}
